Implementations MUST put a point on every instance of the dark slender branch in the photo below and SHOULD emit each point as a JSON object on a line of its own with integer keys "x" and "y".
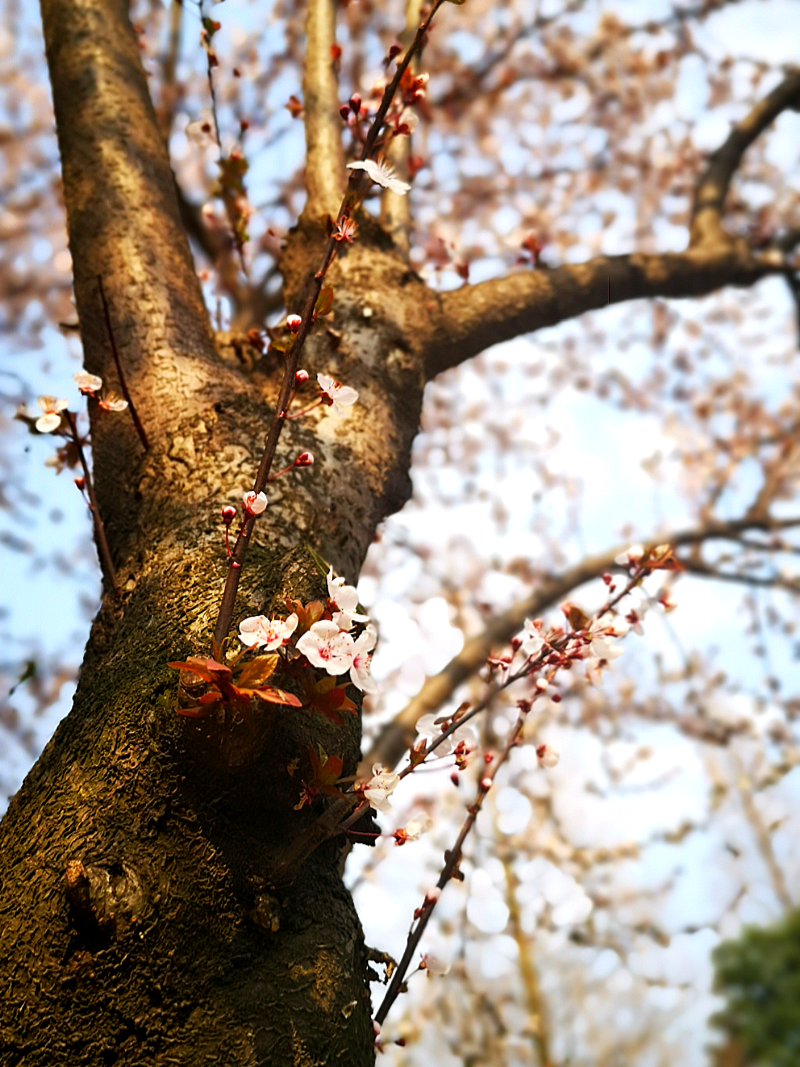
{"x": 137, "y": 422}
{"x": 99, "y": 529}
{"x": 452, "y": 860}
{"x": 351, "y": 198}
{"x": 397, "y": 736}
{"x": 712, "y": 189}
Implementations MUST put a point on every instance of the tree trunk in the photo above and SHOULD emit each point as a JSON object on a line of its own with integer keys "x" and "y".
{"x": 139, "y": 919}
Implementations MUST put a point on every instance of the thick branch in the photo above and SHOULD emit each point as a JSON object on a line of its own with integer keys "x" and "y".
{"x": 124, "y": 226}
{"x": 470, "y": 319}
{"x": 712, "y": 189}
{"x": 324, "y": 152}
{"x": 397, "y": 736}
{"x": 474, "y": 317}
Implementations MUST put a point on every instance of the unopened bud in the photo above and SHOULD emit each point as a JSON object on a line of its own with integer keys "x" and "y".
{"x": 293, "y": 322}
{"x": 355, "y": 103}
{"x": 305, "y": 459}
{"x": 301, "y": 376}
{"x": 344, "y": 111}
{"x": 228, "y": 514}
{"x": 81, "y": 483}
{"x": 486, "y": 784}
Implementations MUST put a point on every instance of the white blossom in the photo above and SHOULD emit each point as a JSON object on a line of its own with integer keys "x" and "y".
{"x": 345, "y": 597}
{"x": 343, "y": 396}
{"x": 534, "y": 642}
{"x": 380, "y": 785}
{"x": 328, "y": 647}
{"x": 87, "y": 383}
{"x": 359, "y": 668}
{"x": 630, "y": 557}
{"x": 266, "y": 633}
{"x": 382, "y": 174}
{"x": 51, "y": 419}
{"x": 434, "y": 965}
{"x": 254, "y": 502}
{"x": 547, "y": 756}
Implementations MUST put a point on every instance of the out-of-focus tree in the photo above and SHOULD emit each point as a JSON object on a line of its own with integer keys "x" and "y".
{"x": 172, "y": 892}
{"x": 759, "y": 976}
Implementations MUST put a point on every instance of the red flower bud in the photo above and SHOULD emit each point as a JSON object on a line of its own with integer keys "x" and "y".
{"x": 355, "y": 103}
{"x": 305, "y": 459}
{"x": 301, "y": 376}
{"x": 228, "y": 514}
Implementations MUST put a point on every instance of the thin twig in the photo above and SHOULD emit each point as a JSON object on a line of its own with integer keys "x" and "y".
{"x": 102, "y": 543}
{"x": 452, "y": 860}
{"x": 137, "y": 422}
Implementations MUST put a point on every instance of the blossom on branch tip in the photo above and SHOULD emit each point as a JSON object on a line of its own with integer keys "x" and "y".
{"x": 254, "y": 503}
{"x": 89, "y": 384}
{"x": 52, "y": 408}
{"x": 269, "y": 634}
{"x": 111, "y": 402}
{"x": 379, "y": 787}
{"x": 434, "y": 964}
{"x": 345, "y": 230}
{"x": 294, "y": 322}
{"x": 340, "y": 396}
{"x": 413, "y": 829}
{"x": 382, "y": 174}
{"x": 327, "y": 647}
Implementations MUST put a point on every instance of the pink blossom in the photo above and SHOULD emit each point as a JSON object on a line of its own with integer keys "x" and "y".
{"x": 89, "y": 384}
{"x": 265, "y": 633}
{"x": 359, "y": 668}
{"x": 327, "y": 647}
{"x": 382, "y": 174}
{"x": 254, "y": 503}
{"x": 341, "y": 396}
{"x": 379, "y": 787}
{"x": 294, "y": 322}
{"x": 51, "y": 419}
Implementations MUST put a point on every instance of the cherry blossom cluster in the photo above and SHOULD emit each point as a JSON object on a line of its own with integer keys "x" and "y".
{"x": 326, "y": 643}
{"x": 400, "y": 119}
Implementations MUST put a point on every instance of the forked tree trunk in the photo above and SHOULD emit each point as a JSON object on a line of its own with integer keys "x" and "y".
{"x": 138, "y": 918}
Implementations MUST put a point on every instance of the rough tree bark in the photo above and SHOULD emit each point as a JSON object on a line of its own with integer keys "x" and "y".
{"x": 139, "y": 920}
